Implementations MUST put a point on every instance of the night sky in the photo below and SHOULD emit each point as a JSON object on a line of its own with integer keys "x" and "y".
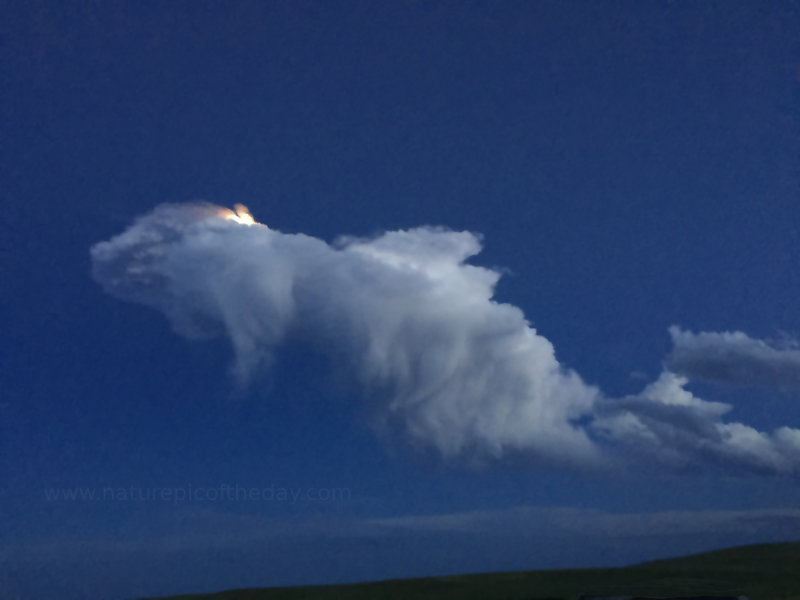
{"x": 543, "y": 311}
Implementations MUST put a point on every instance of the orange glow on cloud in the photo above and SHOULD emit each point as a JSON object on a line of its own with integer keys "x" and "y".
{"x": 240, "y": 214}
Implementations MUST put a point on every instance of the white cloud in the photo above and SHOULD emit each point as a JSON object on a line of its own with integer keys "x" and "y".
{"x": 436, "y": 358}
{"x": 416, "y": 327}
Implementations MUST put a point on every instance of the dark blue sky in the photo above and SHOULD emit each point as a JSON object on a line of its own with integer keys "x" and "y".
{"x": 631, "y": 166}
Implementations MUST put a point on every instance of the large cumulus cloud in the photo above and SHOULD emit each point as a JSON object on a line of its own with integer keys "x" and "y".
{"x": 416, "y": 327}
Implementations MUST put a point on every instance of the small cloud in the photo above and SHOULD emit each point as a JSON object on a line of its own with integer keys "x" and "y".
{"x": 669, "y": 424}
{"x": 734, "y": 358}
